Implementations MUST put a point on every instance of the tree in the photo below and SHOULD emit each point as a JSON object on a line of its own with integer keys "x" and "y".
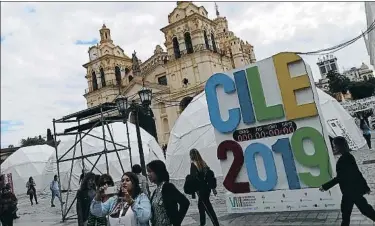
{"x": 362, "y": 89}
{"x": 11, "y": 146}
{"x": 31, "y": 141}
{"x": 337, "y": 82}
{"x": 49, "y": 135}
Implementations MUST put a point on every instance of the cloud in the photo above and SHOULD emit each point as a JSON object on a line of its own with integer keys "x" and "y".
{"x": 88, "y": 42}
{"x": 7, "y": 125}
{"x": 42, "y": 74}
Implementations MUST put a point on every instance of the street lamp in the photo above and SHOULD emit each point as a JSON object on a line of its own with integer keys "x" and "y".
{"x": 145, "y": 95}
{"x": 124, "y": 109}
{"x": 122, "y": 104}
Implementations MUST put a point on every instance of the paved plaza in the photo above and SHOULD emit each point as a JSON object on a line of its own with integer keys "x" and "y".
{"x": 43, "y": 214}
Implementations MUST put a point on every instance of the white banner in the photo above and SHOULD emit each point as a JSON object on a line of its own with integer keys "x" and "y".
{"x": 353, "y": 106}
{"x": 287, "y": 200}
{"x": 339, "y": 130}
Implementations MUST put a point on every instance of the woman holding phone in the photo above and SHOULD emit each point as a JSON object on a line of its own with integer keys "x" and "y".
{"x": 129, "y": 207}
{"x": 102, "y": 181}
{"x": 31, "y": 191}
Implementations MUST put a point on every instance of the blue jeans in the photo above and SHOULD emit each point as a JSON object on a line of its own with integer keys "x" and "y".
{"x": 55, "y": 194}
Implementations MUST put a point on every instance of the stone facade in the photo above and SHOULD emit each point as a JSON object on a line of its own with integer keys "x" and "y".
{"x": 196, "y": 48}
{"x": 363, "y": 73}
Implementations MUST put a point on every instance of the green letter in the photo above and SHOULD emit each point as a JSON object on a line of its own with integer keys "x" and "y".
{"x": 262, "y": 111}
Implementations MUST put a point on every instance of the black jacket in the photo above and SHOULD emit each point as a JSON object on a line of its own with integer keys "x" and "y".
{"x": 349, "y": 177}
{"x": 202, "y": 186}
{"x": 175, "y": 203}
{"x": 83, "y": 206}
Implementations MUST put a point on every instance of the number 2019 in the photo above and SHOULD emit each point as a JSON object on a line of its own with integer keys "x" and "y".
{"x": 288, "y": 150}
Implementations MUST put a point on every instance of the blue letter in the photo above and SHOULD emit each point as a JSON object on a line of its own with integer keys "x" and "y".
{"x": 282, "y": 146}
{"x": 244, "y": 97}
{"x": 269, "y": 165}
{"x": 213, "y": 104}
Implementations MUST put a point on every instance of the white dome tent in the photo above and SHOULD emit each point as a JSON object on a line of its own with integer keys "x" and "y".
{"x": 193, "y": 129}
{"x": 40, "y": 161}
{"x": 28, "y": 162}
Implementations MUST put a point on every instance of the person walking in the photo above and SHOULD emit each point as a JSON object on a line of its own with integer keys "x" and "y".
{"x": 205, "y": 182}
{"x": 129, "y": 207}
{"x": 363, "y": 125}
{"x": 31, "y": 191}
{"x": 85, "y": 195}
{"x": 169, "y": 205}
{"x": 352, "y": 184}
{"x": 137, "y": 169}
{"x": 104, "y": 180}
{"x": 8, "y": 204}
{"x": 54, "y": 186}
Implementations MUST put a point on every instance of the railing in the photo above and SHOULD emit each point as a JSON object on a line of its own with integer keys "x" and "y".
{"x": 197, "y": 48}
{"x": 108, "y": 83}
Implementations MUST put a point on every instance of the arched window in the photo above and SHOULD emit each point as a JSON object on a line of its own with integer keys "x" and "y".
{"x": 118, "y": 74}
{"x": 176, "y": 48}
{"x": 213, "y": 42}
{"x": 130, "y": 78}
{"x": 188, "y": 43}
{"x": 94, "y": 81}
{"x": 206, "y": 40}
{"x": 102, "y": 77}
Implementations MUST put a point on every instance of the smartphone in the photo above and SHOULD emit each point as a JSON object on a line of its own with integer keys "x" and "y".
{"x": 111, "y": 190}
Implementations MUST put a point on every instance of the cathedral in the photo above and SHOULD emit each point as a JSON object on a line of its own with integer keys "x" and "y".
{"x": 196, "y": 48}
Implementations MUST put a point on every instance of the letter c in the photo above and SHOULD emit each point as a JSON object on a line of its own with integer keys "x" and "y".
{"x": 213, "y": 104}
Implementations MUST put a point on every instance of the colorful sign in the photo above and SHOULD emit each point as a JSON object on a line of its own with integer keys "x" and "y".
{"x": 9, "y": 180}
{"x": 272, "y": 142}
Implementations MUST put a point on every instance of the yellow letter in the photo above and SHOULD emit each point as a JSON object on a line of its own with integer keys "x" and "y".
{"x": 289, "y": 85}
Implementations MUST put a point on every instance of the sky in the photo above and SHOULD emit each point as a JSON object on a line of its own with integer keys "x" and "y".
{"x": 45, "y": 44}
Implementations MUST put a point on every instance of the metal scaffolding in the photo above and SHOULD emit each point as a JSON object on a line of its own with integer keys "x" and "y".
{"x": 101, "y": 115}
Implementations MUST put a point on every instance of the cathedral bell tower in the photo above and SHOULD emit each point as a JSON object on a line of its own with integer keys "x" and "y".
{"x": 105, "y": 35}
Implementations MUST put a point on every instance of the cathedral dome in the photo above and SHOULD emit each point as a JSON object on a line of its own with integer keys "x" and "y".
{"x": 364, "y": 66}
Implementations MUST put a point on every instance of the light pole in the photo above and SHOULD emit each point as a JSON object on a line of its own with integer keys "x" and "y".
{"x": 125, "y": 109}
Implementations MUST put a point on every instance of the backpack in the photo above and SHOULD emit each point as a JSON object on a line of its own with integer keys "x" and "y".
{"x": 210, "y": 179}
{"x": 191, "y": 185}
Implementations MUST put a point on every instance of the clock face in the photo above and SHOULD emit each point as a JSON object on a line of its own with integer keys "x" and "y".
{"x": 93, "y": 54}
